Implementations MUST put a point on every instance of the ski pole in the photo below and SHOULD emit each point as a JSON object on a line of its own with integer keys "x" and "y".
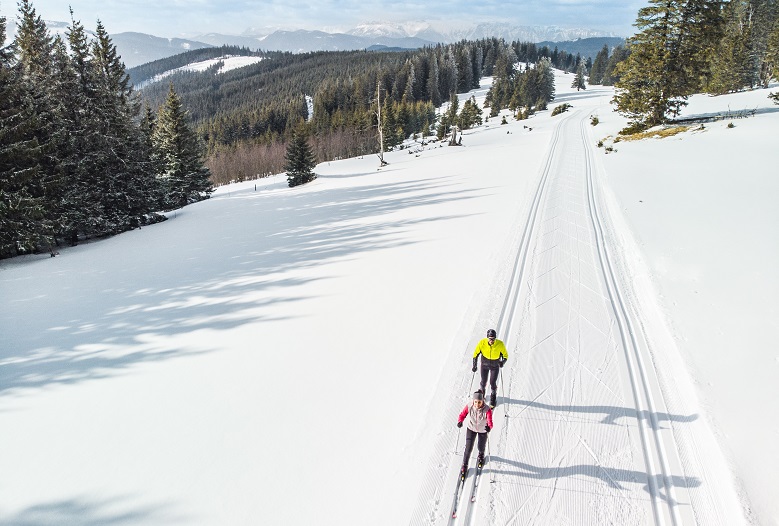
{"x": 489, "y": 458}
{"x": 473, "y": 375}
{"x": 503, "y": 392}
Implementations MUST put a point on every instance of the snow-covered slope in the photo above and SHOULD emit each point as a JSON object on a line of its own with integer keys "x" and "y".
{"x": 293, "y": 356}
{"x": 228, "y": 63}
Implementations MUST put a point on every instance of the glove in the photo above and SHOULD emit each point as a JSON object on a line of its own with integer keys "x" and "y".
{"x": 459, "y": 424}
{"x": 488, "y": 429}
{"x": 474, "y": 365}
{"x": 502, "y": 362}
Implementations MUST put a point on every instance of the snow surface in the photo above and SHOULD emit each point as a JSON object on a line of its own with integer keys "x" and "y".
{"x": 299, "y": 356}
{"x": 229, "y": 62}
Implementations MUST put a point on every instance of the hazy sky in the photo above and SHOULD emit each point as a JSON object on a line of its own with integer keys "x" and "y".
{"x": 171, "y": 18}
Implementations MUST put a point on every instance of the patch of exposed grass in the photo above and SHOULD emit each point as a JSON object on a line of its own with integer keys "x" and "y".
{"x": 660, "y": 134}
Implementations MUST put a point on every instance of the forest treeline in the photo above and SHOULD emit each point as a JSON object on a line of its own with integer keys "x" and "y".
{"x": 78, "y": 156}
{"x": 246, "y": 115}
{"x": 85, "y": 154}
{"x": 695, "y": 46}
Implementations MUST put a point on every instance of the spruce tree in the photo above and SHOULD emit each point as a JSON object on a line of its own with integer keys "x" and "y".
{"x": 300, "y": 159}
{"x": 611, "y": 75}
{"x": 178, "y": 155}
{"x": 128, "y": 183}
{"x": 700, "y": 32}
{"x": 80, "y": 207}
{"x": 731, "y": 68}
{"x": 578, "y": 81}
{"x": 470, "y": 115}
{"x": 34, "y": 50}
{"x": 598, "y": 70}
{"x": 772, "y": 57}
{"x": 650, "y": 86}
{"x": 544, "y": 79}
{"x": 22, "y": 226}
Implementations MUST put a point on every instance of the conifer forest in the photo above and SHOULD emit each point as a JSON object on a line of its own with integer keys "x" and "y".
{"x": 90, "y": 149}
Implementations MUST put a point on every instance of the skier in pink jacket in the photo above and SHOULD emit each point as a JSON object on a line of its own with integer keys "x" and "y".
{"x": 479, "y": 417}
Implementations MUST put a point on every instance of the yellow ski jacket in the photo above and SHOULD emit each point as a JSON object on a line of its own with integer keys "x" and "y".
{"x": 491, "y": 352}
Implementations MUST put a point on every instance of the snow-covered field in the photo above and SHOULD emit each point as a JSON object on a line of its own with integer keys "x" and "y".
{"x": 298, "y": 356}
{"x": 229, "y": 62}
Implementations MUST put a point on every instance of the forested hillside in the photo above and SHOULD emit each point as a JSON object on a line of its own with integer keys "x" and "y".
{"x": 78, "y": 158}
{"x": 245, "y": 116}
{"x": 145, "y": 72}
{"x": 84, "y": 160}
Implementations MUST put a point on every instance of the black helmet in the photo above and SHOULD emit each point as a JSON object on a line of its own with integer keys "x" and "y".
{"x": 491, "y": 333}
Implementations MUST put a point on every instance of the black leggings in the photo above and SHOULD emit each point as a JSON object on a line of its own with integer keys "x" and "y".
{"x": 470, "y": 436}
{"x": 492, "y": 370}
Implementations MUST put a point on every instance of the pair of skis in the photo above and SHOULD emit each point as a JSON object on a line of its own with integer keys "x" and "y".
{"x": 461, "y": 487}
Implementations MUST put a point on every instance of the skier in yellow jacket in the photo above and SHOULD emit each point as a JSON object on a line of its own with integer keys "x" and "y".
{"x": 493, "y": 356}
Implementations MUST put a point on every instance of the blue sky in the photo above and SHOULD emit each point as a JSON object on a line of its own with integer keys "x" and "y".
{"x": 171, "y": 18}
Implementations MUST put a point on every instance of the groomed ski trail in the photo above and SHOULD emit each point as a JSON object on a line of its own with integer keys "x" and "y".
{"x": 582, "y": 434}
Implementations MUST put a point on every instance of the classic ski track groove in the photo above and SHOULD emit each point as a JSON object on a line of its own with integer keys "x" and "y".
{"x": 651, "y": 440}
{"x": 512, "y": 295}
{"x": 623, "y": 338}
{"x": 634, "y": 356}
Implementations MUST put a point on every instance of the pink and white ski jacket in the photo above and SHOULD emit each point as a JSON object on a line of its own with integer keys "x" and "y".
{"x": 478, "y": 417}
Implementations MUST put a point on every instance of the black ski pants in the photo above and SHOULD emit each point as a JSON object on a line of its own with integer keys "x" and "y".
{"x": 489, "y": 368}
{"x": 470, "y": 437}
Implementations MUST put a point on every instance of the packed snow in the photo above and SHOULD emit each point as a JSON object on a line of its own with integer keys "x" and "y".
{"x": 299, "y": 355}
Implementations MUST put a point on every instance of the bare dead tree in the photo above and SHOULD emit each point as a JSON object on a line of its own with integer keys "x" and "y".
{"x": 382, "y": 162}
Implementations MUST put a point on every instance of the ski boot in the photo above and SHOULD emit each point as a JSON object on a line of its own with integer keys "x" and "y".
{"x": 493, "y": 397}
{"x": 480, "y": 460}
{"x": 463, "y": 471}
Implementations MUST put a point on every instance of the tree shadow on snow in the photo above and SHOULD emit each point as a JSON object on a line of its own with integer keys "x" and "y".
{"x": 88, "y": 513}
{"x": 118, "y": 309}
{"x": 612, "y": 477}
{"x": 611, "y": 414}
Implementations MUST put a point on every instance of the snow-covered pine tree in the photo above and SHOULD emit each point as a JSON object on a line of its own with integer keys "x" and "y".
{"x": 22, "y": 226}
{"x": 129, "y": 185}
{"x": 179, "y": 155}
{"x": 772, "y": 57}
{"x": 148, "y": 125}
{"x": 431, "y": 88}
{"x": 300, "y": 158}
{"x": 34, "y": 48}
{"x": 73, "y": 87}
{"x": 464, "y": 69}
{"x": 545, "y": 81}
{"x": 470, "y": 115}
{"x": 578, "y": 81}
{"x": 389, "y": 124}
{"x": 598, "y": 69}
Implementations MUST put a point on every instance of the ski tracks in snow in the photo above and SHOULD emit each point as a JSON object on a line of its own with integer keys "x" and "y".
{"x": 582, "y": 431}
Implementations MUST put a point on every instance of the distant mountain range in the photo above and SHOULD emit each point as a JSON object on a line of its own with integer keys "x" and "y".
{"x": 141, "y": 48}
